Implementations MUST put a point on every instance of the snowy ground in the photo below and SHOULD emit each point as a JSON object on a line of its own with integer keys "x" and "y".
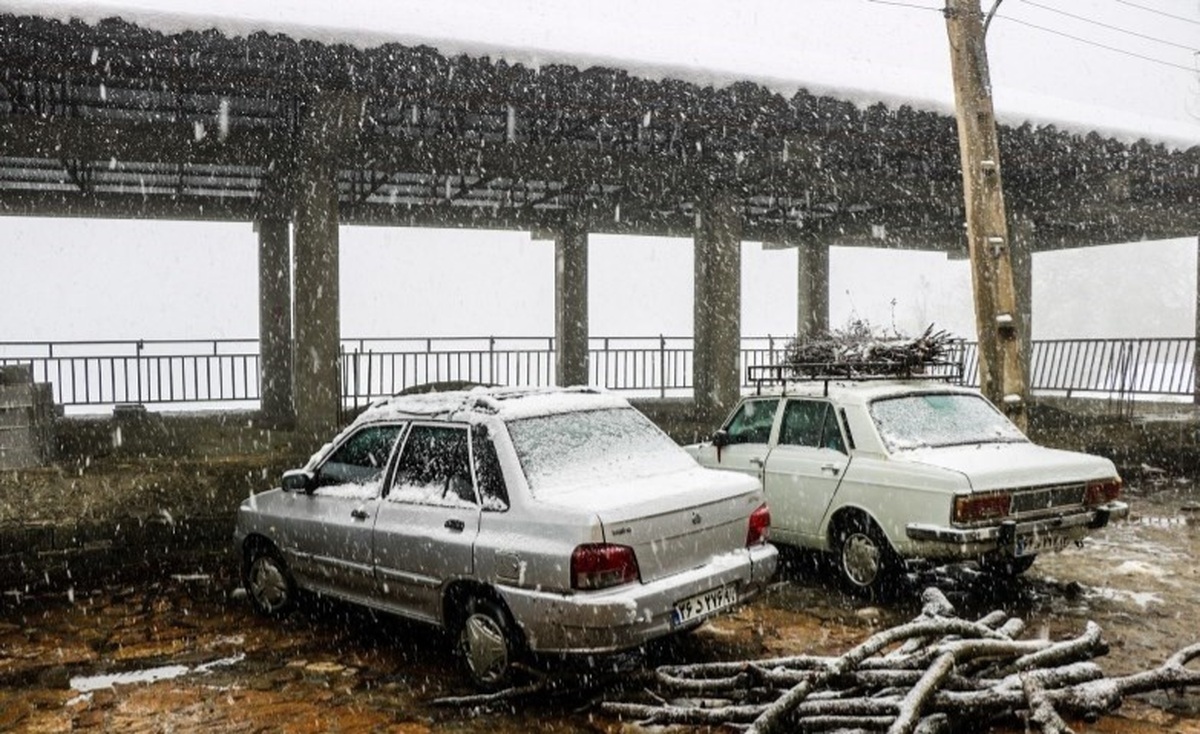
{"x": 185, "y": 653}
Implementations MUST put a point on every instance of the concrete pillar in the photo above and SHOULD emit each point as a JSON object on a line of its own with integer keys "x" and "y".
{"x": 716, "y": 366}
{"x": 327, "y": 121}
{"x": 812, "y": 289}
{"x": 275, "y": 320}
{"x": 571, "y": 306}
{"x": 1196, "y": 346}
{"x": 1022, "y": 234}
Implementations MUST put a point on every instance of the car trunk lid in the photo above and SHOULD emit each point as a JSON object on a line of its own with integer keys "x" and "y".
{"x": 1013, "y": 466}
{"x": 674, "y": 521}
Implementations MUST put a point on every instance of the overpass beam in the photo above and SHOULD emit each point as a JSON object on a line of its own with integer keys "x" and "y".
{"x": 812, "y": 289}
{"x": 718, "y": 307}
{"x": 275, "y": 320}
{"x": 571, "y": 305}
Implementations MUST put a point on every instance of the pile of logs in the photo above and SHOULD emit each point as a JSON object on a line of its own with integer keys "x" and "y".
{"x": 859, "y": 351}
{"x": 936, "y": 673}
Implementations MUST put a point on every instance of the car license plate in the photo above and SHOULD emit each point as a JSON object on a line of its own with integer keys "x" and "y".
{"x": 704, "y": 604}
{"x": 1028, "y": 545}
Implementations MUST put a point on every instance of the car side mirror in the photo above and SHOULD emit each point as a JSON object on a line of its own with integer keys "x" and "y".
{"x": 299, "y": 480}
{"x": 720, "y": 438}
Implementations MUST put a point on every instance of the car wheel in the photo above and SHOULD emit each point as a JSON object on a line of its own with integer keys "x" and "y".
{"x": 1006, "y": 566}
{"x": 268, "y": 582}
{"x": 866, "y": 563}
{"x": 488, "y": 643}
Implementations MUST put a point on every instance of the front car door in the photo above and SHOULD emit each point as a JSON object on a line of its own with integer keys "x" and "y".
{"x": 329, "y": 530}
{"x": 747, "y": 436}
{"x": 428, "y": 519}
{"x": 804, "y": 470}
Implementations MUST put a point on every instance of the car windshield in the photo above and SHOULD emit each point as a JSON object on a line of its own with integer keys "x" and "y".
{"x": 941, "y": 419}
{"x": 566, "y": 451}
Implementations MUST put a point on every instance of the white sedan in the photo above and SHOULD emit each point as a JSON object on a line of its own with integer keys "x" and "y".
{"x": 878, "y": 472}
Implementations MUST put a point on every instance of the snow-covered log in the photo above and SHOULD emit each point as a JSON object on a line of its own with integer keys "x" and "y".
{"x": 932, "y": 674}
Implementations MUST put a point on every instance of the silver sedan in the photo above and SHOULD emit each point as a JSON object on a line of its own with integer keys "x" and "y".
{"x": 523, "y": 521}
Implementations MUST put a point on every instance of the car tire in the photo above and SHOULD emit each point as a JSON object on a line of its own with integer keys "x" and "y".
{"x": 1006, "y": 566}
{"x": 268, "y": 582}
{"x": 488, "y": 644}
{"x": 866, "y": 564}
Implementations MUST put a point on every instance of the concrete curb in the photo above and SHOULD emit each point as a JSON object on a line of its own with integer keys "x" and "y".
{"x": 43, "y": 557}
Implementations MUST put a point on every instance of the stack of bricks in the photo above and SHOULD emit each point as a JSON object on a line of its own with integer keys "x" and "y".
{"x": 26, "y": 418}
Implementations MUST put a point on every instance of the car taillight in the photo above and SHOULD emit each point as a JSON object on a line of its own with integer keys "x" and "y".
{"x": 1105, "y": 490}
{"x": 760, "y": 527}
{"x": 986, "y": 506}
{"x": 600, "y": 565}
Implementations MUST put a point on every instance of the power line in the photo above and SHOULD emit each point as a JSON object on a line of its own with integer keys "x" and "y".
{"x": 1099, "y": 45}
{"x": 1119, "y": 29}
{"x": 1079, "y": 39}
{"x": 1160, "y": 12}
{"x": 904, "y": 5}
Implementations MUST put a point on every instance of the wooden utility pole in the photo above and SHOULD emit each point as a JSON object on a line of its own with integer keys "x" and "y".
{"x": 997, "y": 319}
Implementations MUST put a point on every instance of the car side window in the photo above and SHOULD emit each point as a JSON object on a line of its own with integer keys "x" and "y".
{"x": 355, "y": 468}
{"x": 811, "y": 423}
{"x": 752, "y": 422}
{"x": 831, "y": 434}
{"x": 493, "y": 493}
{"x": 802, "y": 423}
{"x": 434, "y": 468}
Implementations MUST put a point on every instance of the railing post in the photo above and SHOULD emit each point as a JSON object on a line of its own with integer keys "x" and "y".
{"x": 662, "y": 366}
{"x": 491, "y": 361}
{"x": 138, "y": 362}
{"x": 343, "y": 383}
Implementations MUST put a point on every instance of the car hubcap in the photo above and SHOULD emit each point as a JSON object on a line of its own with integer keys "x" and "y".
{"x": 268, "y": 584}
{"x": 860, "y": 559}
{"x": 485, "y": 648}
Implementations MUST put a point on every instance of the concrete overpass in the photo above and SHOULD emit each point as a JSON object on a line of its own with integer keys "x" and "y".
{"x": 297, "y": 137}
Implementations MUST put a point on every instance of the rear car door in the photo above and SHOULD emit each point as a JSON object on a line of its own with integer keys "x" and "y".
{"x": 803, "y": 470}
{"x": 329, "y": 529}
{"x": 747, "y": 438}
{"x": 428, "y": 519}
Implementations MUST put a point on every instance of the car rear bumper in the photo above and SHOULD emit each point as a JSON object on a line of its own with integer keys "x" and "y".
{"x": 1020, "y": 538}
{"x": 624, "y": 617}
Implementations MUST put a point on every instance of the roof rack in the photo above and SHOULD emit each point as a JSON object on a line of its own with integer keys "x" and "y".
{"x": 781, "y": 374}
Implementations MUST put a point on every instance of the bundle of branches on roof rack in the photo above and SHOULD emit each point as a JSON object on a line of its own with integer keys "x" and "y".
{"x": 860, "y": 351}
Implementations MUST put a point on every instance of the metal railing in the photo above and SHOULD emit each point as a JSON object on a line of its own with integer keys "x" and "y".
{"x": 225, "y": 372}
{"x": 152, "y": 372}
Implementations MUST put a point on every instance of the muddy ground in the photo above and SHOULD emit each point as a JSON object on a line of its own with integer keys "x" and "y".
{"x": 330, "y": 667}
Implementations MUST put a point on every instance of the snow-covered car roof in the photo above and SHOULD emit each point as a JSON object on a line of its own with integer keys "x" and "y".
{"x": 504, "y": 402}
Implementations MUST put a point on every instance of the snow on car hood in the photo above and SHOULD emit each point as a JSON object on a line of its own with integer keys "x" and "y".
{"x": 1012, "y": 465}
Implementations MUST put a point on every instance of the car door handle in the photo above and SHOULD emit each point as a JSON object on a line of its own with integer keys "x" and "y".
{"x": 456, "y": 525}
{"x": 359, "y": 514}
{"x": 756, "y": 462}
{"x": 833, "y": 469}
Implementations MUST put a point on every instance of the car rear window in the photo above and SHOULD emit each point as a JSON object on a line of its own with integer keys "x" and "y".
{"x": 569, "y": 450}
{"x": 940, "y": 419}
